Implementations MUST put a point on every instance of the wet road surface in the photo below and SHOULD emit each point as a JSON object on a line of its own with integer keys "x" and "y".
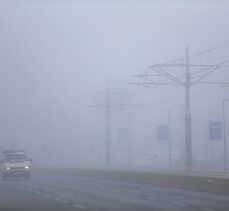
{"x": 62, "y": 192}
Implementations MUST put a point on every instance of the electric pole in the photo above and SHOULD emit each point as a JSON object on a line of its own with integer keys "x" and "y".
{"x": 108, "y": 105}
{"x": 224, "y": 138}
{"x": 188, "y": 122}
{"x": 169, "y": 138}
{"x": 164, "y": 77}
{"x": 108, "y": 138}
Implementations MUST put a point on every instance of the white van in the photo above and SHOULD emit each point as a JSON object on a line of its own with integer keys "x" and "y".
{"x": 15, "y": 163}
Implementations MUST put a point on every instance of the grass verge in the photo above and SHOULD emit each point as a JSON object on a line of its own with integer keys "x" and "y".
{"x": 201, "y": 183}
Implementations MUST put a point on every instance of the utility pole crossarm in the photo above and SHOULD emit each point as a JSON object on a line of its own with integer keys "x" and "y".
{"x": 183, "y": 65}
{"x": 126, "y": 104}
{"x": 209, "y": 71}
{"x": 95, "y": 105}
{"x": 214, "y": 83}
{"x": 146, "y": 75}
{"x": 94, "y": 99}
{"x": 153, "y": 83}
{"x": 167, "y": 75}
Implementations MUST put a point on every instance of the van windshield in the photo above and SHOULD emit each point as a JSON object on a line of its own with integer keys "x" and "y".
{"x": 16, "y": 158}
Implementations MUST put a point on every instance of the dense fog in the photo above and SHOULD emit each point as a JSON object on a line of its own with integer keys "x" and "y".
{"x": 57, "y": 59}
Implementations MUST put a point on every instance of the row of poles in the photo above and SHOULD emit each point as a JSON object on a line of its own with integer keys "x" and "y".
{"x": 187, "y": 83}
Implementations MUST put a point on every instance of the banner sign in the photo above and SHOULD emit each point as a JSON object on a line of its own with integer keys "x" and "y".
{"x": 162, "y": 133}
{"x": 123, "y": 135}
{"x": 215, "y": 130}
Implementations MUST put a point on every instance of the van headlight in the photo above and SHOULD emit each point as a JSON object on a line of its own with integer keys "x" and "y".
{"x": 7, "y": 168}
{"x": 26, "y": 167}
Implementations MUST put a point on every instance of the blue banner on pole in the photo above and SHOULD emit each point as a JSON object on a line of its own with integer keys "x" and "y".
{"x": 123, "y": 135}
{"x": 215, "y": 130}
{"x": 162, "y": 133}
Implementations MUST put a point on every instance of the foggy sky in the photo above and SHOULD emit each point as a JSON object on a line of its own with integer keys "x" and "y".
{"x": 53, "y": 53}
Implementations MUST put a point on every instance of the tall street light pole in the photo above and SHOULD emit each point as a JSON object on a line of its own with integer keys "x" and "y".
{"x": 108, "y": 139}
{"x": 169, "y": 138}
{"x": 188, "y": 126}
{"x": 224, "y": 138}
{"x": 130, "y": 138}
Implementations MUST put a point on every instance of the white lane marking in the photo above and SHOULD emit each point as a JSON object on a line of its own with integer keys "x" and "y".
{"x": 80, "y": 206}
{"x": 206, "y": 209}
{"x": 47, "y": 195}
{"x": 152, "y": 198}
{"x": 116, "y": 191}
{"x": 179, "y": 203}
{"x": 37, "y": 192}
{"x": 65, "y": 201}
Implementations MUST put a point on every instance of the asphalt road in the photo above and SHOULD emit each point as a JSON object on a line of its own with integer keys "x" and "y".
{"x": 62, "y": 192}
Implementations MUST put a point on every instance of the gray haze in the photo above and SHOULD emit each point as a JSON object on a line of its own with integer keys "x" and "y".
{"x": 54, "y": 53}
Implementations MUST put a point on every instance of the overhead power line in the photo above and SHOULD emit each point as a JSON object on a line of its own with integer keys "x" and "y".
{"x": 206, "y": 51}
